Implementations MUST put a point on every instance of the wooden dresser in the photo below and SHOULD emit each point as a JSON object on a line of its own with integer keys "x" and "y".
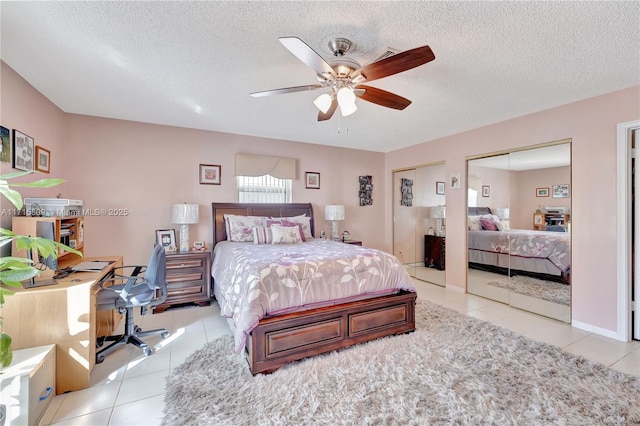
{"x": 188, "y": 279}
{"x": 434, "y": 252}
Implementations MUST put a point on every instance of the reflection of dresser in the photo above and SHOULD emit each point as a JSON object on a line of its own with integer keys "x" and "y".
{"x": 434, "y": 251}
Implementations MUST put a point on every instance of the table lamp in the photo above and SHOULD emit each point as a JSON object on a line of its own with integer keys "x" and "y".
{"x": 334, "y": 213}
{"x": 184, "y": 215}
{"x": 438, "y": 212}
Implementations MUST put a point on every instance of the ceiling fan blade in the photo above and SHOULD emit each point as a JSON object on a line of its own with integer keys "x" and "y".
{"x": 382, "y": 97}
{"x": 395, "y": 64}
{"x": 307, "y": 55}
{"x": 306, "y": 88}
{"x": 322, "y": 116}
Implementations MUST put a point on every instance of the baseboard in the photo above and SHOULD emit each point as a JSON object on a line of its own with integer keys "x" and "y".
{"x": 597, "y": 330}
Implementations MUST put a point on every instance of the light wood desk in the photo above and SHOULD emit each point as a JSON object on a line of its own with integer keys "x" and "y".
{"x": 63, "y": 314}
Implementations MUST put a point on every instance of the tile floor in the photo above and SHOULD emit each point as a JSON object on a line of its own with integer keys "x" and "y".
{"x": 128, "y": 389}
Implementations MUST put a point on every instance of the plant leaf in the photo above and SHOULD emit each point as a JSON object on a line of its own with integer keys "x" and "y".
{"x": 42, "y": 183}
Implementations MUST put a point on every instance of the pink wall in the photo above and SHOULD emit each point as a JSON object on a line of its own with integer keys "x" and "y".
{"x": 146, "y": 168}
{"x": 24, "y": 108}
{"x": 591, "y": 124}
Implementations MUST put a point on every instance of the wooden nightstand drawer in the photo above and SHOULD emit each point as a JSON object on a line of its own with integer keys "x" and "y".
{"x": 186, "y": 262}
{"x": 353, "y": 243}
{"x": 182, "y": 276}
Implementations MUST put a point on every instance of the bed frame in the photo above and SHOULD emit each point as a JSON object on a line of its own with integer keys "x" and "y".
{"x": 281, "y": 339}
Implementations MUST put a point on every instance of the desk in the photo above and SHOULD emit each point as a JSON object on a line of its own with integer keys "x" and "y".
{"x": 63, "y": 314}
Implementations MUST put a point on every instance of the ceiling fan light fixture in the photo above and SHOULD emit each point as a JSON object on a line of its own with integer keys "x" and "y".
{"x": 347, "y": 101}
{"x": 348, "y": 109}
{"x": 323, "y": 102}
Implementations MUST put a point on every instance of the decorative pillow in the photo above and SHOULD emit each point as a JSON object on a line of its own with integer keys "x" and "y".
{"x": 286, "y": 234}
{"x": 488, "y": 223}
{"x": 262, "y": 235}
{"x": 503, "y": 225}
{"x": 303, "y": 220}
{"x": 298, "y": 224}
{"x": 240, "y": 228}
{"x": 473, "y": 223}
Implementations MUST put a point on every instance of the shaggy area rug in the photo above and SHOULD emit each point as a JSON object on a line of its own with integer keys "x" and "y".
{"x": 546, "y": 290}
{"x": 454, "y": 369}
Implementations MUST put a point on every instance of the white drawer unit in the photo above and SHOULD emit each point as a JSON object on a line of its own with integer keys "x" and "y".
{"x": 28, "y": 385}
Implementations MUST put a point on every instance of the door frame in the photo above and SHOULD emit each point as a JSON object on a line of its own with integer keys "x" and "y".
{"x": 623, "y": 189}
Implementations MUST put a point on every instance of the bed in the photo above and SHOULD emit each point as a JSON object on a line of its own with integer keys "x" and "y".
{"x": 538, "y": 254}
{"x": 274, "y": 298}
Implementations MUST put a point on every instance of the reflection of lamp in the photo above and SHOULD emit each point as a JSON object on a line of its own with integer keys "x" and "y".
{"x": 334, "y": 213}
{"x": 438, "y": 212}
{"x": 502, "y": 213}
{"x": 183, "y": 215}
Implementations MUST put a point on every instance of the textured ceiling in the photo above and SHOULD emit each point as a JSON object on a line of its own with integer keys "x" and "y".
{"x": 194, "y": 64}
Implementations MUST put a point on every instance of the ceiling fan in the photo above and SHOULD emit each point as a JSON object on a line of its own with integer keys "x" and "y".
{"x": 342, "y": 77}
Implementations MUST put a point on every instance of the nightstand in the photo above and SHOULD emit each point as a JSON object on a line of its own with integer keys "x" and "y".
{"x": 352, "y": 242}
{"x": 434, "y": 252}
{"x": 188, "y": 279}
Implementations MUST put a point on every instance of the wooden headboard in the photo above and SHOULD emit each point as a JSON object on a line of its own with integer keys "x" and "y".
{"x": 255, "y": 209}
{"x": 479, "y": 211}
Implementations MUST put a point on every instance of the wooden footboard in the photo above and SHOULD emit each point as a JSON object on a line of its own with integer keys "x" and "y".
{"x": 281, "y": 339}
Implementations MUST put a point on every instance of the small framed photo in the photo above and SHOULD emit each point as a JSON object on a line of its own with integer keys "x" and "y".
{"x": 43, "y": 159}
{"x": 561, "y": 191}
{"x": 440, "y": 188}
{"x": 167, "y": 239}
{"x": 5, "y": 147}
{"x": 542, "y": 192}
{"x": 22, "y": 151}
{"x": 538, "y": 218}
{"x": 313, "y": 180}
{"x": 486, "y": 190}
{"x": 210, "y": 174}
{"x": 198, "y": 245}
{"x": 454, "y": 180}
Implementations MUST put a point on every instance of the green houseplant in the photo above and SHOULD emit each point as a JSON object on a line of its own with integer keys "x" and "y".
{"x": 13, "y": 270}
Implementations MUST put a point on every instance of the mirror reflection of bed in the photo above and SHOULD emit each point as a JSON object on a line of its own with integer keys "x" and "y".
{"x": 519, "y": 240}
{"x": 424, "y": 257}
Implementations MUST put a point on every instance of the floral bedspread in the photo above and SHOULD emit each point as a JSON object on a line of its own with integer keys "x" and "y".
{"x": 257, "y": 280}
{"x": 555, "y": 246}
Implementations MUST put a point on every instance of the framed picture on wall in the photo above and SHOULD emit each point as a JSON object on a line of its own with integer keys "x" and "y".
{"x": 22, "y": 151}
{"x": 210, "y": 174}
{"x": 561, "y": 191}
{"x": 312, "y": 180}
{"x": 486, "y": 190}
{"x": 542, "y": 192}
{"x": 440, "y": 188}
{"x": 43, "y": 159}
{"x": 5, "y": 148}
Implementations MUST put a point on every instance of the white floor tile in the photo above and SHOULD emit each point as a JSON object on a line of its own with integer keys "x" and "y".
{"x": 128, "y": 388}
{"x": 147, "y": 412}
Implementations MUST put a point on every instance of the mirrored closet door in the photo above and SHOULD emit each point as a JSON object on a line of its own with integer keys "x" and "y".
{"x": 519, "y": 229}
{"x": 419, "y": 226}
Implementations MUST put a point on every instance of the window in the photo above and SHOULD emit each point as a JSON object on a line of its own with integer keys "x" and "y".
{"x": 263, "y": 189}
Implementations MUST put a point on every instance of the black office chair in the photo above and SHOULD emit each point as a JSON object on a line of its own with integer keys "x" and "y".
{"x": 146, "y": 287}
{"x": 556, "y": 228}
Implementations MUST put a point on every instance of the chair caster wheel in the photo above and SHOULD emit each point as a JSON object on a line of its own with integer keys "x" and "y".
{"x": 147, "y": 352}
{"x": 164, "y": 334}
{"x": 100, "y": 342}
{"x": 99, "y": 359}
{"x": 138, "y": 329}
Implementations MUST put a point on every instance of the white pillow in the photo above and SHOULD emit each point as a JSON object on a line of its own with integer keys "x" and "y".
{"x": 240, "y": 228}
{"x": 474, "y": 223}
{"x": 503, "y": 225}
{"x": 285, "y": 234}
